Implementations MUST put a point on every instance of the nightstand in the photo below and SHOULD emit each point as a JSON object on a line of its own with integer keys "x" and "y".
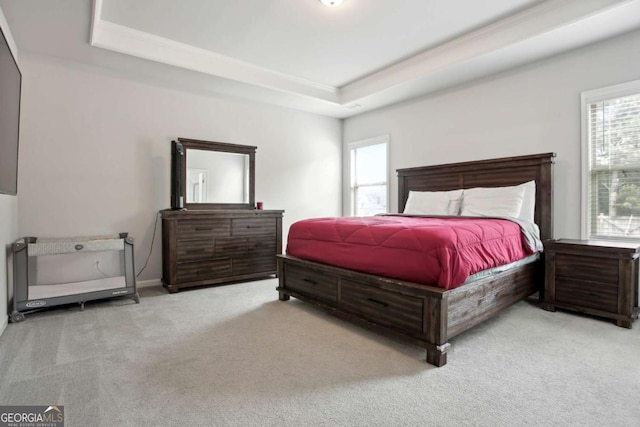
{"x": 594, "y": 277}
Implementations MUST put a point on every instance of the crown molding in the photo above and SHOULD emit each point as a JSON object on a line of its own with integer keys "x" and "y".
{"x": 529, "y": 23}
{"x": 425, "y": 72}
{"x": 118, "y": 38}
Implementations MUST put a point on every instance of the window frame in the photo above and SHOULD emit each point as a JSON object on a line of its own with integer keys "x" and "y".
{"x": 349, "y": 147}
{"x": 587, "y": 98}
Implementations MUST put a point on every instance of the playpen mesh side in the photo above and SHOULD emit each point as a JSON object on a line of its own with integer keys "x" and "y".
{"x": 74, "y": 245}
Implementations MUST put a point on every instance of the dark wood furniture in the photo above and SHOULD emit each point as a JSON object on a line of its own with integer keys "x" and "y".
{"x": 193, "y": 146}
{"x": 594, "y": 277}
{"x": 427, "y": 315}
{"x": 219, "y": 246}
{"x": 219, "y": 237}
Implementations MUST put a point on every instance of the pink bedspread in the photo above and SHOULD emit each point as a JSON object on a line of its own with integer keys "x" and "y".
{"x": 437, "y": 251}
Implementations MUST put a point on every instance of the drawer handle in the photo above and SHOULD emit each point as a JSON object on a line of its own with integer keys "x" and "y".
{"x": 195, "y": 251}
{"x": 254, "y": 226}
{"x": 309, "y": 281}
{"x": 384, "y": 304}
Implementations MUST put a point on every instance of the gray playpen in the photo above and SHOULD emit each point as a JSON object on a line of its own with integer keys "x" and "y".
{"x": 29, "y": 296}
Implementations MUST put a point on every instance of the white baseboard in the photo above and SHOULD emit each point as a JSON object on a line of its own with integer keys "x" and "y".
{"x": 4, "y": 322}
{"x": 148, "y": 283}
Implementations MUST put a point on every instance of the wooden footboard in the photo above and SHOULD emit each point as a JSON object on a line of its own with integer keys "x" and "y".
{"x": 425, "y": 315}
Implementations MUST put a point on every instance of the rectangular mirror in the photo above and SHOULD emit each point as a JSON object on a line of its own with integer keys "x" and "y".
{"x": 215, "y": 175}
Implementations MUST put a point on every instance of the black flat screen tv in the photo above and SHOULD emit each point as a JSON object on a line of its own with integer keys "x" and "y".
{"x": 10, "y": 89}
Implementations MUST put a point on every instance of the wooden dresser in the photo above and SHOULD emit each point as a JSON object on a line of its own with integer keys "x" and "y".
{"x": 594, "y": 277}
{"x": 206, "y": 247}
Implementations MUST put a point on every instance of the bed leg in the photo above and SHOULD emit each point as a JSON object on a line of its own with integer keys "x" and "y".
{"x": 548, "y": 307}
{"x": 283, "y": 297}
{"x": 437, "y": 355}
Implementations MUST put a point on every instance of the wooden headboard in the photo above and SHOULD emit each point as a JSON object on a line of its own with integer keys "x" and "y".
{"x": 501, "y": 172}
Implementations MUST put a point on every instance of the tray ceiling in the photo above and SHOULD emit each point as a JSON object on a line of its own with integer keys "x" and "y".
{"x": 339, "y": 61}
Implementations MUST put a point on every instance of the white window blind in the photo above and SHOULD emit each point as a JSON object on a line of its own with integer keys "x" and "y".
{"x": 368, "y": 176}
{"x": 613, "y": 176}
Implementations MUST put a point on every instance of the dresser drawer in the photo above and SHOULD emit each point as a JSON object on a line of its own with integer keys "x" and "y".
{"x": 195, "y": 271}
{"x": 196, "y": 250}
{"x": 384, "y": 307}
{"x": 584, "y": 267}
{"x": 230, "y": 247}
{"x": 255, "y": 265}
{"x": 261, "y": 246}
{"x": 225, "y": 247}
{"x": 314, "y": 284}
{"x": 202, "y": 229}
{"x": 252, "y": 226}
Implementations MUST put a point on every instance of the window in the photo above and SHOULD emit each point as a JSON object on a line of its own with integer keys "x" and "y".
{"x": 368, "y": 170}
{"x": 611, "y": 162}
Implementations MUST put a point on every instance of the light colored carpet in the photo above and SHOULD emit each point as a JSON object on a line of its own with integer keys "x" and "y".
{"x": 236, "y": 356}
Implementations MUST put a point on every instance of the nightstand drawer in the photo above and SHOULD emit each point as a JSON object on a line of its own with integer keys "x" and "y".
{"x": 582, "y": 293}
{"x": 584, "y": 267}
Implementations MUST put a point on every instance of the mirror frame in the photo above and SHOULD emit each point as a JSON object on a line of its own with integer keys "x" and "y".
{"x": 197, "y": 144}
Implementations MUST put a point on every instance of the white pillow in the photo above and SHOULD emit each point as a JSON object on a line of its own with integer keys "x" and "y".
{"x": 455, "y": 201}
{"x": 528, "y": 210}
{"x": 498, "y": 201}
{"x": 433, "y": 202}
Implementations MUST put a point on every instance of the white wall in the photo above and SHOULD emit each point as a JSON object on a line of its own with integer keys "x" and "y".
{"x": 8, "y": 215}
{"x": 8, "y": 234}
{"x": 531, "y": 109}
{"x": 95, "y": 153}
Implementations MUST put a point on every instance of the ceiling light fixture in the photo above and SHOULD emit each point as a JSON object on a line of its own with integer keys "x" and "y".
{"x": 332, "y": 3}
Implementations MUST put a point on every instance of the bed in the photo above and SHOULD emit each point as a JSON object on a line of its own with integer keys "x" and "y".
{"x": 430, "y": 315}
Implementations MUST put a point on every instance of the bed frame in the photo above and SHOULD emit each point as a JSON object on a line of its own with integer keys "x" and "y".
{"x": 426, "y": 315}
